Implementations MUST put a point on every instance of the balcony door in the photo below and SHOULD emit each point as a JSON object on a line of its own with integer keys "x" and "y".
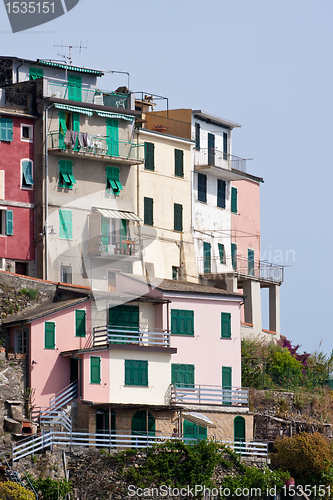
{"x": 122, "y": 318}
{"x": 112, "y": 136}
{"x": 211, "y": 149}
{"x": 207, "y": 257}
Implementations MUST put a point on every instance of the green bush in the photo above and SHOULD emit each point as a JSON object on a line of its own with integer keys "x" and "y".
{"x": 31, "y": 293}
{"x": 51, "y": 489}
{"x": 13, "y": 491}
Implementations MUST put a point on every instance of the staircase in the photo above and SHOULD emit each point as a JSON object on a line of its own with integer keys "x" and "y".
{"x": 55, "y": 416}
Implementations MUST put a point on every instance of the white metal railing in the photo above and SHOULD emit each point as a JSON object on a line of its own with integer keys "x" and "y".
{"x": 110, "y": 440}
{"x": 64, "y": 396}
{"x": 55, "y": 417}
{"x": 209, "y": 394}
{"x": 123, "y": 335}
{"x": 214, "y": 158}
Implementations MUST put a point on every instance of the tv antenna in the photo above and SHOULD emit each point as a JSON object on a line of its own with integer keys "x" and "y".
{"x": 70, "y": 47}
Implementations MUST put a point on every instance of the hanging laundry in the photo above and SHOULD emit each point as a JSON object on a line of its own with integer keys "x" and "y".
{"x": 67, "y": 139}
{"x": 85, "y": 139}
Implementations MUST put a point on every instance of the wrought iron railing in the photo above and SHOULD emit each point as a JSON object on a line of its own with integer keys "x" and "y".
{"x": 97, "y": 145}
{"x": 113, "y": 440}
{"x": 110, "y": 244}
{"x": 214, "y": 158}
{"x": 259, "y": 269}
{"x": 125, "y": 335}
{"x": 61, "y": 90}
{"x": 209, "y": 395}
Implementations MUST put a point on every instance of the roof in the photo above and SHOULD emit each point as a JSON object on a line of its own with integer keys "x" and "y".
{"x": 208, "y": 117}
{"x": 45, "y": 309}
{"x": 55, "y": 64}
{"x": 15, "y": 112}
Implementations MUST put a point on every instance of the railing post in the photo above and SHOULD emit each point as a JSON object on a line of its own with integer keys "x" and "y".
{"x": 70, "y": 442}
{"x": 51, "y": 437}
{"x": 199, "y": 393}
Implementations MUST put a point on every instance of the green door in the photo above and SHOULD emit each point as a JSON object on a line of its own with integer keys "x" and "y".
{"x": 207, "y": 257}
{"x": 112, "y": 136}
{"x": 139, "y": 426}
{"x": 193, "y": 431}
{"x": 125, "y": 317}
{"x": 239, "y": 431}
{"x": 226, "y": 385}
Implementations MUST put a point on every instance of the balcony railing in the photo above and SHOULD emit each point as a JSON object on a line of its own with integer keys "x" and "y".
{"x": 108, "y": 245}
{"x": 61, "y": 90}
{"x": 84, "y": 143}
{"x": 209, "y": 395}
{"x": 214, "y": 158}
{"x": 125, "y": 335}
{"x": 259, "y": 269}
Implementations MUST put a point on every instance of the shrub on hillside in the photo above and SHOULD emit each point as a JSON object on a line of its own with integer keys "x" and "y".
{"x": 13, "y": 491}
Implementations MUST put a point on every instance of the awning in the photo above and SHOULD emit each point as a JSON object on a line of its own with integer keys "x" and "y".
{"x": 108, "y": 114}
{"x": 118, "y": 214}
{"x": 199, "y": 419}
{"x": 74, "y": 109}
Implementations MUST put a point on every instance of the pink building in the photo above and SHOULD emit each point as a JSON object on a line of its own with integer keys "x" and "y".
{"x": 17, "y": 210}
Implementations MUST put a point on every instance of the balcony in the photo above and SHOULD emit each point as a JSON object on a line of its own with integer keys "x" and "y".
{"x": 123, "y": 335}
{"x": 210, "y": 158}
{"x": 107, "y": 246}
{"x": 95, "y": 146}
{"x": 208, "y": 395}
{"x": 62, "y": 90}
{"x": 259, "y": 270}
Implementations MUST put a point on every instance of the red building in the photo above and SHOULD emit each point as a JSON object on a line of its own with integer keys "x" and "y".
{"x": 17, "y": 210}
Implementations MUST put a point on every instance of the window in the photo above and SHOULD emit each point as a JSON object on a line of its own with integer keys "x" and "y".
{"x": 234, "y": 200}
{"x": 148, "y": 212}
{"x": 225, "y": 146}
{"x": 112, "y": 180}
{"x": 35, "y": 73}
{"x": 179, "y": 163}
{"x": 207, "y": 257}
{"x": 221, "y": 253}
{"x": 112, "y": 136}
{"x": 193, "y": 431}
{"x": 202, "y": 188}
{"x": 234, "y": 256}
{"x": 21, "y": 341}
{"x": 221, "y": 185}
{"x": 211, "y": 149}
{"x": 6, "y": 129}
{"x": 66, "y": 274}
{"x": 80, "y": 323}
{"x": 95, "y": 370}
{"x": 66, "y": 177}
{"x": 197, "y": 136}
{"x": 27, "y": 181}
{"x": 149, "y": 156}
{"x": 182, "y": 322}
{"x": 182, "y": 375}
{"x": 65, "y": 224}
{"x": 6, "y": 222}
{"x": 225, "y": 325}
{"x": 178, "y": 217}
{"x": 74, "y": 88}
{"x": 136, "y": 372}
{"x": 27, "y": 132}
{"x": 250, "y": 262}
{"x": 174, "y": 273}
{"x": 49, "y": 338}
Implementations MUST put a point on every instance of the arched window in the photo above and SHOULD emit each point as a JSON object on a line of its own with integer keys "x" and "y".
{"x": 139, "y": 423}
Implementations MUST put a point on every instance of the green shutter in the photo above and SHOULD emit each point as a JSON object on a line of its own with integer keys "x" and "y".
{"x": 207, "y": 257}
{"x": 105, "y": 230}
{"x": 250, "y": 262}
{"x": 66, "y": 177}
{"x": 136, "y": 372}
{"x": 221, "y": 189}
{"x": 178, "y": 217}
{"x": 221, "y": 252}
{"x": 226, "y": 325}
{"x": 95, "y": 370}
{"x": 65, "y": 224}
{"x": 148, "y": 211}
{"x": 197, "y": 136}
{"x": 225, "y": 146}
{"x": 6, "y": 129}
{"x": 182, "y": 322}
{"x": 76, "y": 128}
{"x": 62, "y": 129}
{"x": 179, "y": 163}
{"x": 234, "y": 200}
{"x": 35, "y": 73}
{"x": 144, "y": 373}
{"x": 112, "y": 136}
{"x": 149, "y": 156}
{"x": 49, "y": 337}
{"x": 74, "y": 88}
{"x": 202, "y": 188}
{"x": 9, "y": 223}
{"x": 80, "y": 323}
{"x": 234, "y": 256}
{"x": 182, "y": 375}
{"x": 193, "y": 431}
{"x": 226, "y": 385}
{"x": 112, "y": 179}
{"x": 27, "y": 180}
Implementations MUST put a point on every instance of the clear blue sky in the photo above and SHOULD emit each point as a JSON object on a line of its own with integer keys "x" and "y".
{"x": 262, "y": 63}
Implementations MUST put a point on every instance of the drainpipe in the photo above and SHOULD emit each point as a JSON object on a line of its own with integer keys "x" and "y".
{"x": 46, "y": 191}
{"x": 17, "y": 71}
